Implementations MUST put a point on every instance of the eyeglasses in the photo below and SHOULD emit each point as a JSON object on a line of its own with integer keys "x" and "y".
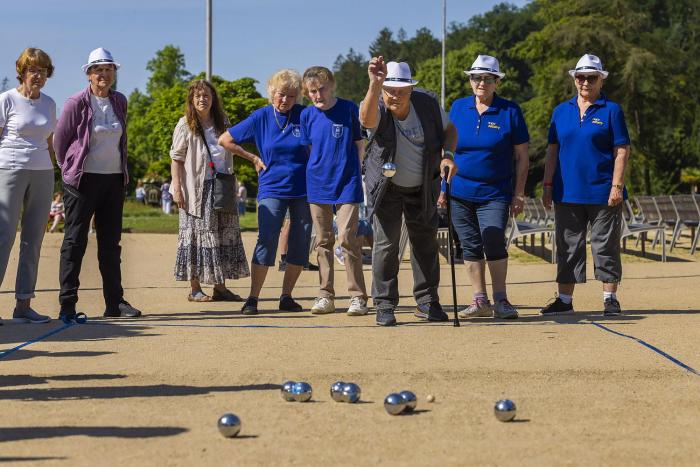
{"x": 37, "y": 71}
{"x": 487, "y": 79}
{"x": 285, "y": 95}
{"x": 583, "y": 78}
{"x": 397, "y": 93}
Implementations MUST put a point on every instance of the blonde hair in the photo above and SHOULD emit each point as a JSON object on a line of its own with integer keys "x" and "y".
{"x": 318, "y": 73}
{"x": 33, "y": 57}
{"x": 284, "y": 79}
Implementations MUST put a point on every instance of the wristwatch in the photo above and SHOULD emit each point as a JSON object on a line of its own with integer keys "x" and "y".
{"x": 447, "y": 154}
{"x": 619, "y": 187}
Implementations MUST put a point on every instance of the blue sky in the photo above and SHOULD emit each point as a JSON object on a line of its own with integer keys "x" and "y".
{"x": 251, "y": 37}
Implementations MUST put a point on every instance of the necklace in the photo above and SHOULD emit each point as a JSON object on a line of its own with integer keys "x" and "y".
{"x": 279, "y": 125}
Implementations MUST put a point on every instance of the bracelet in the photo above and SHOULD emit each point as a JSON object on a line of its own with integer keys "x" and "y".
{"x": 520, "y": 198}
{"x": 550, "y": 184}
{"x": 619, "y": 187}
{"x": 448, "y": 154}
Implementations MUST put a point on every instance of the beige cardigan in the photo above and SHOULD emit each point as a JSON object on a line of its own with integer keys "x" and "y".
{"x": 190, "y": 149}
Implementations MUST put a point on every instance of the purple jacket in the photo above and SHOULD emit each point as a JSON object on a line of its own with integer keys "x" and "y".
{"x": 71, "y": 140}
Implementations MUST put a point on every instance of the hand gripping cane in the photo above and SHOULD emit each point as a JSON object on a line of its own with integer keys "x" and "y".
{"x": 450, "y": 247}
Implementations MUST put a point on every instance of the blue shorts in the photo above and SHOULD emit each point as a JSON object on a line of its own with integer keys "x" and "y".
{"x": 271, "y": 214}
{"x": 481, "y": 228}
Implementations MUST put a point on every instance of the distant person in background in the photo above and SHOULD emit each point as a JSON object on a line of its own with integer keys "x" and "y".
{"x": 331, "y": 127}
{"x": 242, "y": 198}
{"x": 57, "y": 213}
{"x": 27, "y": 120}
{"x": 584, "y": 175}
{"x": 281, "y": 170}
{"x": 492, "y": 140}
{"x": 140, "y": 193}
{"x": 166, "y": 199}
{"x": 210, "y": 248}
{"x": 90, "y": 143}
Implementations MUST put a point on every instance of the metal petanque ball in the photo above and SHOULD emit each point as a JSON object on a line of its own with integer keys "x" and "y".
{"x": 351, "y": 393}
{"x": 337, "y": 391}
{"x": 389, "y": 169}
{"x": 302, "y": 392}
{"x": 504, "y": 410}
{"x": 394, "y": 404}
{"x": 410, "y": 399}
{"x": 286, "y": 391}
{"x": 229, "y": 425}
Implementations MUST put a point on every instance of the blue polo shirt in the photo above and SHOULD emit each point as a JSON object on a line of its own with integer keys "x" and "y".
{"x": 333, "y": 172}
{"x": 586, "y": 160}
{"x": 484, "y": 154}
{"x": 281, "y": 151}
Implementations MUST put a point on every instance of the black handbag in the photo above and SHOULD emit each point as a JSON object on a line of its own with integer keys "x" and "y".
{"x": 224, "y": 184}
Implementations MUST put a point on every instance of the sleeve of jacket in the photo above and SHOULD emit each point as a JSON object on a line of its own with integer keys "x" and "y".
{"x": 65, "y": 129}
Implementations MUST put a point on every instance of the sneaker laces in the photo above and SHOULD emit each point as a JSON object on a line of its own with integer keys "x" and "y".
{"x": 356, "y": 301}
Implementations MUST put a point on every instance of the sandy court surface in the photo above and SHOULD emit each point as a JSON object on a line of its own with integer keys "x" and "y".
{"x": 149, "y": 392}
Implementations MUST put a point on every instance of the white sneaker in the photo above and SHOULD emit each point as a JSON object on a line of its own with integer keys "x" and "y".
{"x": 323, "y": 306}
{"x": 339, "y": 255}
{"x": 504, "y": 310}
{"x": 478, "y": 309}
{"x": 358, "y": 307}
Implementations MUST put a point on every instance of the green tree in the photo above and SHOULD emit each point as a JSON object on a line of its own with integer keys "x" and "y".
{"x": 351, "y": 76}
{"x": 167, "y": 69}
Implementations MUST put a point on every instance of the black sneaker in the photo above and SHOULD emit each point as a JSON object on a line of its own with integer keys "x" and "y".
{"x": 431, "y": 311}
{"x": 250, "y": 307}
{"x": 122, "y": 310}
{"x": 287, "y": 303}
{"x": 557, "y": 307}
{"x": 310, "y": 267}
{"x": 67, "y": 315}
{"x": 385, "y": 317}
{"x": 611, "y": 307}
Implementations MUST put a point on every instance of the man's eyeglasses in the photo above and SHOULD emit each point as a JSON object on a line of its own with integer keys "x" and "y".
{"x": 583, "y": 78}
{"x": 487, "y": 79}
{"x": 397, "y": 93}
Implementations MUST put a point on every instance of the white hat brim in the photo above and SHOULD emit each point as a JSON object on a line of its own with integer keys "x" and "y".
{"x": 399, "y": 84}
{"x": 602, "y": 73}
{"x": 87, "y": 66}
{"x": 484, "y": 72}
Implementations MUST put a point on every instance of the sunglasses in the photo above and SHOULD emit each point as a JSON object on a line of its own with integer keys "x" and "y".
{"x": 590, "y": 78}
{"x": 488, "y": 79}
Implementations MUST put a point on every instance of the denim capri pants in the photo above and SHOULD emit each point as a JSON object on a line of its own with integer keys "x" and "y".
{"x": 271, "y": 215}
{"x": 481, "y": 228}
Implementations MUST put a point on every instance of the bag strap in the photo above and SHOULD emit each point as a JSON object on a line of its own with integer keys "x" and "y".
{"x": 200, "y": 129}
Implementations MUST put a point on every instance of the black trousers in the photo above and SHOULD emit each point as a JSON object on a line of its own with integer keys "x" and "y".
{"x": 103, "y": 196}
{"x": 422, "y": 233}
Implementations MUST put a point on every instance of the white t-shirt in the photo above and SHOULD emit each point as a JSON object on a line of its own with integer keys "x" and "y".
{"x": 410, "y": 143}
{"x": 104, "y": 156}
{"x": 26, "y": 125}
{"x": 217, "y": 154}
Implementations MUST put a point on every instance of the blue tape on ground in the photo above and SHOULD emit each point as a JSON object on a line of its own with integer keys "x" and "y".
{"x": 5, "y": 353}
{"x": 651, "y": 347}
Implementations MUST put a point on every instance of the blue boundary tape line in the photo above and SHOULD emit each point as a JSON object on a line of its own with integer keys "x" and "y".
{"x": 651, "y": 347}
{"x": 5, "y": 353}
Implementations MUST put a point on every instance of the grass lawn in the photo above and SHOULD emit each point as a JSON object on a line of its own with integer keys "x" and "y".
{"x": 140, "y": 218}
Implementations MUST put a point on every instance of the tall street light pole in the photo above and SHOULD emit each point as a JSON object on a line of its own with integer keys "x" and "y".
{"x": 208, "y": 41}
{"x": 444, "y": 36}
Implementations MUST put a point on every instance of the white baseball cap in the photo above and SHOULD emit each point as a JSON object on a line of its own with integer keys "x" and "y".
{"x": 589, "y": 64}
{"x": 398, "y": 75}
{"x": 98, "y": 57}
{"x": 485, "y": 64}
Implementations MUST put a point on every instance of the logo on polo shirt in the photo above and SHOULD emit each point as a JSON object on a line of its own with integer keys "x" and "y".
{"x": 493, "y": 126}
{"x": 597, "y": 121}
{"x": 296, "y": 130}
{"x": 337, "y": 130}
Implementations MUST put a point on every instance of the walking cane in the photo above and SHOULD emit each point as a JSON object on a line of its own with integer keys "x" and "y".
{"x": 449, "y": 242}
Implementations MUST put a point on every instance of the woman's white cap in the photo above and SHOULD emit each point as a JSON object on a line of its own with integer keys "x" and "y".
{"x": 485, "y": 64}
{"x": 99, "y": 56}
{"x": 589, "y": 64}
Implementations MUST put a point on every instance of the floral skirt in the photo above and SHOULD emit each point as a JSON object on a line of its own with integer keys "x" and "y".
{"x": 210, "y": 248}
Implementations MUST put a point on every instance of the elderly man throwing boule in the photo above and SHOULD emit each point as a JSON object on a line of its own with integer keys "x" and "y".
{"x": 408, "y": 128}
